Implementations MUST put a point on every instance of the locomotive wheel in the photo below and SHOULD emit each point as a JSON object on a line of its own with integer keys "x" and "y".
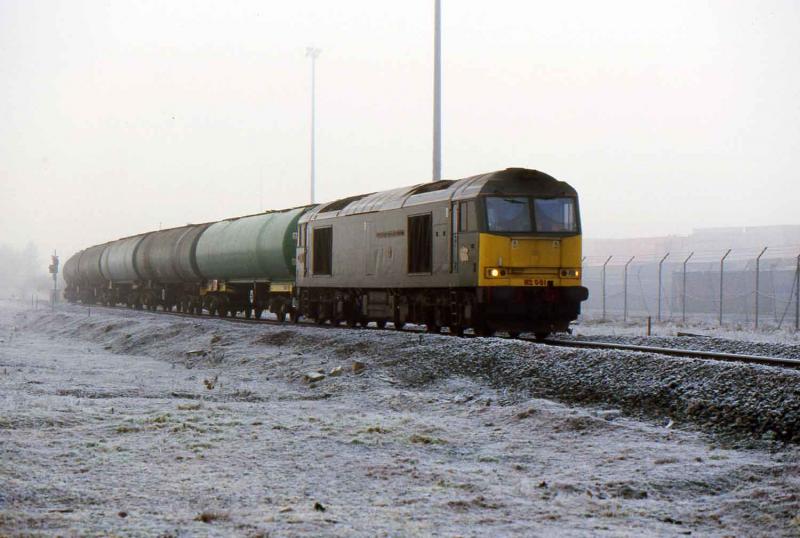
{"x": 456, "y": 330}
{"x": 541, "y": 335}
{"x": 248, "y": 313}
{"x": 398, "y": 322}
{"x": 513, "y": 334}
{"x": 483, "y": 330}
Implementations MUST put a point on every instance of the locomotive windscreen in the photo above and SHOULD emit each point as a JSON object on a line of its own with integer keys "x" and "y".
{"x": 515, "y": 214}
{"x": 555, "y": 215}
{"x": 508, "y": 214}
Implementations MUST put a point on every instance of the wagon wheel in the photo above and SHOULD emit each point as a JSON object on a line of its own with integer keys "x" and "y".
{"x": 456, "y": 330}
{"x": 513, "y": 334}
{"x": 294, "y": 315}
{"x": 258, "y": 312}
{"x": 397, "y": 320}
{"x": 483, "y": 329}
{"x": 281, "y": 313}
{"x": 351, "y": 320}
{"x": 381, "y": 323}
{"x": 430, "y": 323}
{"x": 541, "y": 335}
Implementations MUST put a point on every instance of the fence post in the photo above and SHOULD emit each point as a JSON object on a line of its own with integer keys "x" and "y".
{"x": 797, "y": 296}
{"x": 683, "y": 303}
{"x": 721, "y": 273}
{"x": 604, "y": 286}
{"x": 758, "y": 265}
{"x": 659, "y": 285}
{"x": 625, "y": 291}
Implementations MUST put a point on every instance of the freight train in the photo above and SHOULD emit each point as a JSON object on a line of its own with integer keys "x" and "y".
{"x": 494, "y": 252}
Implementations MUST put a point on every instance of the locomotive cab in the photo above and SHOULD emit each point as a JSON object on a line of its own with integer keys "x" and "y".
{"x": 529, "y": 253}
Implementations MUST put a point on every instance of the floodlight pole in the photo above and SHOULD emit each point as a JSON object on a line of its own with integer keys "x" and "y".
{"x": 313, "y": 53}
{"x": 437, "y": 92}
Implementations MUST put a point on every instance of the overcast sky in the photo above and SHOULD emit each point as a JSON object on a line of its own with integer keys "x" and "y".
{"x": 117, "y": 117}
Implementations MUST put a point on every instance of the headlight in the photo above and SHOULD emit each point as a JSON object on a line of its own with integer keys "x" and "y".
{"x": 495, "y": 272}
{"x": 570, "y": 273}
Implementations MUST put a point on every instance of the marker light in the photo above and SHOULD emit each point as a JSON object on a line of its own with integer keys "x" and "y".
{"x": 495, "y": 272}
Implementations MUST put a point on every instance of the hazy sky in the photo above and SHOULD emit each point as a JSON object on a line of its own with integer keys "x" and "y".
{"x": 117, "y": 117}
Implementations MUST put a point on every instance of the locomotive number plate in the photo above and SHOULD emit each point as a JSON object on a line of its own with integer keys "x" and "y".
{"x": 535, "y": 282}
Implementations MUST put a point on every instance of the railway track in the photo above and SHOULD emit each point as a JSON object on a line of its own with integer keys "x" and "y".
{"x": 586, "y": 344}
{"x": 678, "y": 352}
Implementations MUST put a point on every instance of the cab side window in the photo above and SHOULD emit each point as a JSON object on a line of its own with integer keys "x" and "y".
{"x": 468, "y": 217}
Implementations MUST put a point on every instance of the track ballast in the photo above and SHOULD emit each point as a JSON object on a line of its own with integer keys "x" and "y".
{"x": 782, "y": 362}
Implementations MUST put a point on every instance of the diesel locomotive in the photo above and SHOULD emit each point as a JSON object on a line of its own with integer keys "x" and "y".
{"x": 493, "y": 252}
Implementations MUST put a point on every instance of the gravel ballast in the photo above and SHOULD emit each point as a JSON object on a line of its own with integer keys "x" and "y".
{"x": 129, "y": 423}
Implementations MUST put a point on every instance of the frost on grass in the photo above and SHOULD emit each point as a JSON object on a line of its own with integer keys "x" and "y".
{"x": 108, "y": 415}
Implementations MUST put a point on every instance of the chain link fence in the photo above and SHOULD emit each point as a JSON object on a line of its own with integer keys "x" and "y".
{"x": 757, "y": 288}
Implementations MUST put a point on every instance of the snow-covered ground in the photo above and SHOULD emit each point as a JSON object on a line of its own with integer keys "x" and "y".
{"x": 140, "y": 424}
{"x": 593, "y": 325}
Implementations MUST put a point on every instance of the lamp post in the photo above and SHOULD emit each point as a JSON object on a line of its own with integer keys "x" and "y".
{"x": 437, "y": 92}
{"x": 313, "y": 53}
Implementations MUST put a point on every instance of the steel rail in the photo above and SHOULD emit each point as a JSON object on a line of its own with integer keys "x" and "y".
{"x": 678, "y": 352}
{"x": 586, "y": 344}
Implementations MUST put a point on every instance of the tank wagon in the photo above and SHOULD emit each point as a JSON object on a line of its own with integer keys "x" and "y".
{"x": 248, "y": 264}
{"x": 493, "y": 252}
{"x": 83, "y": 276}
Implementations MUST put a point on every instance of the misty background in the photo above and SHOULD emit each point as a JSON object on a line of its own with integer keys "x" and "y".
{"x": 119, "y": 118}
